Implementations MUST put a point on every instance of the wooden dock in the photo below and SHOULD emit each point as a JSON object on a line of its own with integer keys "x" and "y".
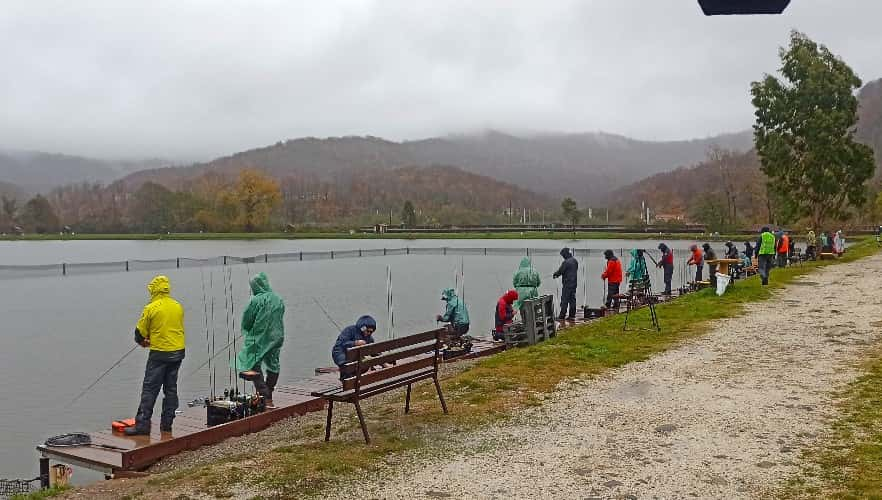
{"x": 116, "y": 454}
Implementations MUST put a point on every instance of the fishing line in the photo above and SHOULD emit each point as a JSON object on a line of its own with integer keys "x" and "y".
{"x": 205, "y": 325}
{"x": 233, "y": 323}
{"x": 225, "y": 273}
{"x": 213, "y": 338}
{"x": 320, "y": 306}
{"x": 391, "y": 307}
{"x": 93, "y": 384}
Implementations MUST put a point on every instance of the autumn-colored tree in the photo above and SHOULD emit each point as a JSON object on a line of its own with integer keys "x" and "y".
{"x": 257, "y": 196}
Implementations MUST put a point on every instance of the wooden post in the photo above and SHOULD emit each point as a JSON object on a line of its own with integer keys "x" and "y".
{"x": 44, "y": 472}
{"x": 178, "y": 262}
{"x": 127, "y": 266}
{"x": 301, "y": 255}
{"x": 265, "y": 258}
{"x": 225, "y": 260}
{"x": 63, "y": 269}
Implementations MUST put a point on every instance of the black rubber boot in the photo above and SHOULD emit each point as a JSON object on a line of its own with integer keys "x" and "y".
{"x": 136, "y": 431}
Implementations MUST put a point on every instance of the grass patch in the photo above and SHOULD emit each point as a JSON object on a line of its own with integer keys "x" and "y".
{"x": 492, "y": 388}
{"x": 39, "y": 494}
{"x": 848, "y": 463}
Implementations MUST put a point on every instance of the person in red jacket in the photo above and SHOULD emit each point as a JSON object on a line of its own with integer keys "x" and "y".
{"x": 504, "y": 312}
{"x": 697, "y": 259}
{"x": 613, "y": 277}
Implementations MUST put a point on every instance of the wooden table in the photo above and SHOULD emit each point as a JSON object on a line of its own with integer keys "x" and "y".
{"x": 723, "y": 264}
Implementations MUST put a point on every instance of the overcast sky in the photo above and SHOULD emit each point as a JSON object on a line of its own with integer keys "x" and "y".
{"x": 196, "y": 79}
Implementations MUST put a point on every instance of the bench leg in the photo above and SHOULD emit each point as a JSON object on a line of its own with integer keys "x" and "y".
{"x": 440, "y": 396}
{"x": 407, "y": 401}
{"x": 367, "y": 438}
{"x": 328, "y": 423}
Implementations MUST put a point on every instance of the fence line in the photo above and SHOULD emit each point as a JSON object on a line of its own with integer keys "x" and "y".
{"x": 84, "y": 268}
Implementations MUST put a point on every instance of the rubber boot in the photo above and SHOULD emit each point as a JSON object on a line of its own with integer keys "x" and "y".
{"x": 271, "y": 379}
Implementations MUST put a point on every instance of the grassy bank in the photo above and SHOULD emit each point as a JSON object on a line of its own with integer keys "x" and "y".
{"x": 371, "y": 236}
{"x": 489, "y": 390}
{"x": 848, "y": 463}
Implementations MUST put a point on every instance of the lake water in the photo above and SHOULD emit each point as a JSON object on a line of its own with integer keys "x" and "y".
{"x": 60, "y": 333}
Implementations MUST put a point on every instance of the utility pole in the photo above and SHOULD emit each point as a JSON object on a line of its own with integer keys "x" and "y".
{"x": 510, "y": 211}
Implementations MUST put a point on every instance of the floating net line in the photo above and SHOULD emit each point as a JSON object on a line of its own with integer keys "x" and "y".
{"x": 84, "y": 268}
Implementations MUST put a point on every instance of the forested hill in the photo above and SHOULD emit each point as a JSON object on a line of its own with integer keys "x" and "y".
{"x": 687, "y": 191}
{"x": 586, "y": 166}
{"x": 37, "y": 171}
{"x": 869, "y": 128}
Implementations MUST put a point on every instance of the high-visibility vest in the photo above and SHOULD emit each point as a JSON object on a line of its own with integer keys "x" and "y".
{"x": 767, "y": 246}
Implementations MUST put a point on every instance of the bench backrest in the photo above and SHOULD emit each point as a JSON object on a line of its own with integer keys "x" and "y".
{"x": 420, "y": 352}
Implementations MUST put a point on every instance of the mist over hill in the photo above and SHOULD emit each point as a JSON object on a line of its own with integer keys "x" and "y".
{"x": 586, "y": 166}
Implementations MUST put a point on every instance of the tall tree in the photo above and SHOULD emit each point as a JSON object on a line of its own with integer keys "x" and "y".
{"x": 152, "y": 210}
{"x": 38, "y": 215}
{"x": 804, "y": 134}
{"x": 408, "y": 214}
{"x": 571, "y": 212}
{"x": 257, "y": 195}
{"x": 10, "y": 207}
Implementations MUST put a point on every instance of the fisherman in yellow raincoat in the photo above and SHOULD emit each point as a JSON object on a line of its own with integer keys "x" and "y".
{"x": 264, "y": 332}
{"x": 161, "y": 328}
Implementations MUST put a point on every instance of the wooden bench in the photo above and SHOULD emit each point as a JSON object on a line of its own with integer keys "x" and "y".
{"x": 415, "y": 357}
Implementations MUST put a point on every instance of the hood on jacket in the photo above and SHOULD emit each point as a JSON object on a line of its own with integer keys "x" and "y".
{"x": 706, "y": 246}
{"x": 565, "y": 253}
{"x": 526, "y": 263}
{"x": 693, "y": 247}
{"x": 448, "y": 294}
{"x": 366, "y": 322}
{"x": 159, "y": 286}
{"x": 636, "y": 252}
{"x": 260, "y": 284}
{"x": 662, "y": 247}
{"x": 609, "y": 254}
{"x": 510, "y": 296}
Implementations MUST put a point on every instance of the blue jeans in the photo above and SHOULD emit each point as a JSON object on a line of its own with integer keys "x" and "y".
{"x": 161, "y": 372}
{"x": 764, "y": 267}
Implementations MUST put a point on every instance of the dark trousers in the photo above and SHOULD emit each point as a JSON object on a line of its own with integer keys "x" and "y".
{"x": 764, "y": 267}
{"x": 712, "y": 275}
{"x": 568, "y": 300}
{"x": 698, "y": 271}
{"x": 612, "y": 289}
{"x": 264, "y": 387}
{"x": 669, "y": 275}
{"x": 161, "y": 372}
{"x": 782, "y": 259}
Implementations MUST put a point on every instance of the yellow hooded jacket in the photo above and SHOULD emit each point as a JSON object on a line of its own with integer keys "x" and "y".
{"x": 162, "y": 321}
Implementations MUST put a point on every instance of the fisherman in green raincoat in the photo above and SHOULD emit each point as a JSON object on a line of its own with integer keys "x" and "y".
{"x": 456, "y": 313}
{"x": 526, "y": 282}
{"x": 637, "y": 267}
{"x": 264, "y": 332}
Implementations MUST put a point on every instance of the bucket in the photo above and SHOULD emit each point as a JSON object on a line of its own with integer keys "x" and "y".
{"x": 722, "y": 283}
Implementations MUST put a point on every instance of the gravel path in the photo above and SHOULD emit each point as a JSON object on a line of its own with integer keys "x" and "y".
{"x": 723, "y": 416}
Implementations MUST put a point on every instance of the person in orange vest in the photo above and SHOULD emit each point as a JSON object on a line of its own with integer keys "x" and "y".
{"x": 783, "y": 249}
{"x": 697, "y": 260}
{"x": 613, "y": 276}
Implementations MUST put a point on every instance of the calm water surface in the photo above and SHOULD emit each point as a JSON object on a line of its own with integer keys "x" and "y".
{"x": 60, "y": 333}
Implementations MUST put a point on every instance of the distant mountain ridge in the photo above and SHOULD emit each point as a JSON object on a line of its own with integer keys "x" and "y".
{"x": 36, "y": 171}
{"x": 585, "y": 166}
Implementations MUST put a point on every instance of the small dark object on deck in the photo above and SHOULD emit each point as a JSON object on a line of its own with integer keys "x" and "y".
{"x": 363, "y": 383}
{"x": 71, "y": 439}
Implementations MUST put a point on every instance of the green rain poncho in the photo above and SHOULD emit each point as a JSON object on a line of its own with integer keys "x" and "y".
{"x": 262, "y": 328}
{"x": 637, "y": 267}
{"x": 526, "y": 282}
{"x": 456, "y": 312}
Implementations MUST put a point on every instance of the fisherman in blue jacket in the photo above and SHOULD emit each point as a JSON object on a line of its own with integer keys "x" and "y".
{"x": 361, "y": 333}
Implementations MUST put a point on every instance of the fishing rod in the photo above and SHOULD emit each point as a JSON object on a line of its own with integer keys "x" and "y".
{"x": 93, "y": 384}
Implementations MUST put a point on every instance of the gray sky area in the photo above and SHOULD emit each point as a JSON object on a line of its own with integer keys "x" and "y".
{"x": 196, "y": 79}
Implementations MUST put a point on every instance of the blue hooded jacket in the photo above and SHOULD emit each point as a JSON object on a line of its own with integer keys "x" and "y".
{"x": 349, "y": 336}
